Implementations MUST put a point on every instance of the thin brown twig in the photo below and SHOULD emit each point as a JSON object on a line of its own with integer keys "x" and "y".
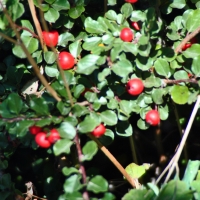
{"x": 187, "y": 39}
{"x": 27, "y": 29}
{"x": 8, "y": 38}
{"x": 114, "y": 161}
{"x": 36, "y": 22}
{"x": 192, "y": 80}
{"x": 82, "y": 168}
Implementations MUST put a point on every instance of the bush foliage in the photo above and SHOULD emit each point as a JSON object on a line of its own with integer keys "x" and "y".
{"x": 35, "y": 90}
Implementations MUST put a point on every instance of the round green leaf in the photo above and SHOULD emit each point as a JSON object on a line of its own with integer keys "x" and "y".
{"x": 109, "y": 117}
{"x": 97, "y": 184}
{"x": 162, "y": 67}
{"x": 52, "y": 71}
{"x": 87, "y": 64}
{"x": 61, "y": 5}
{"x": 193, "y": 22}
{"x": 49, "y": 57}
{"x": 64, "y": 38}
{"x": 72, "y": 184}
{"x": 66, "y": 130}
{"x": 122, "y": 68}
{"x": 51, "y": 15}
{"x": 89, "y": 150}
{"x": 180, "y": 94}
{"x": 75, "y": 12}
{"x": 88, "y": 124}
{"x": 62, "y": 146}
{"x": 75, "y": 48}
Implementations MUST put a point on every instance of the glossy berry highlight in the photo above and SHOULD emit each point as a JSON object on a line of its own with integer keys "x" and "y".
{"x": 152, "y": 117}
{"x": 135, "y": 86}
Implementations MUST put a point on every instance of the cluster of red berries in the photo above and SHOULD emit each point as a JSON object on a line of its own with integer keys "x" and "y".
{"x": 135, "y": 87}
{"x": 42, "y": 138}
{"x": 66, "y": 60}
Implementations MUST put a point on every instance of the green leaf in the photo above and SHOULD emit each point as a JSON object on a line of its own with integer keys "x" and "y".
{"x": 157, "y": 95}
{"x": 130, "y": 47}
{"x": 135, "y": 171}
{"x": 163, "y": 111}
{"x": 62, "y": 146}
{"x": 176, "y": 189}
{"x": 52, "y": 70}
{"x": 126, "y": 9}
{"x": 191, "y": 172}
{"x": 63, "y": 108}
{"x": 79, "y": 110}
{"x": 88, "y": 124}
{"x": 152, "y": 81}
{"x": 67, "y": 130}
{"x": 89, "y": 150}
{"x": 30, "y": 43}
{"x": 64, "y": 38}
{"x": 192, "y": 52}
{"x": 97, "y": 184}
{"x": 37, "y": 103}
{"x": 61, "y": 5}
{"x": 122, "y": 68}
{"x": 73, "y": 184}
{"x": 14, "y": 103}
{"x": 51, "y": 15}
{"x": 17, "y": 10}
{"x": 69, "y": 170}
{"x": 181, "y": 74}
{"x": 180, "y": 94}
{"x": 22, "y": 127}
{"x": 75, "y": 48}
{"x": 112, "y": 2}
{"x": 124, "y": 128}
{"x": 142, "y": 124}
{"x": 195, "y": 66}
{"x": 91, "y": 42}
{"x": 138, "y": 15}
{"x": 87, "y": 64}
{"x": 75, "y": 12}
{"x": 111, "y": 14}
{"x": 162, "y": 67}
{"x": 49, "y": 57}
{"x": 139, "y": 194}
{"x": 193, "y": 22}
{"x": 28, "y": 25}
{"x": 109, "y": 117}
{"x": 178, "y": 4}
{"x": 93, "y": 26}
{"x": 3, "y": 164}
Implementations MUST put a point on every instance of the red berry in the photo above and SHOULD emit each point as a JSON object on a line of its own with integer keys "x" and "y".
{"x": 126, "y": 34}
{"x": 50, "y": 38}
{"x": 152, "y": 117}
{"x": 131, "y": 1}
{"x": 186, "y": 46}
{"x": 135, "y": 26}
{"x": 35, "y": 129}
{"x": 42, "y": 140}
{"x": 99, "y": 131}
{"x": 135, "y": 86}
{"x": 54, "y": 136}
{"x": 66, "y": 60}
